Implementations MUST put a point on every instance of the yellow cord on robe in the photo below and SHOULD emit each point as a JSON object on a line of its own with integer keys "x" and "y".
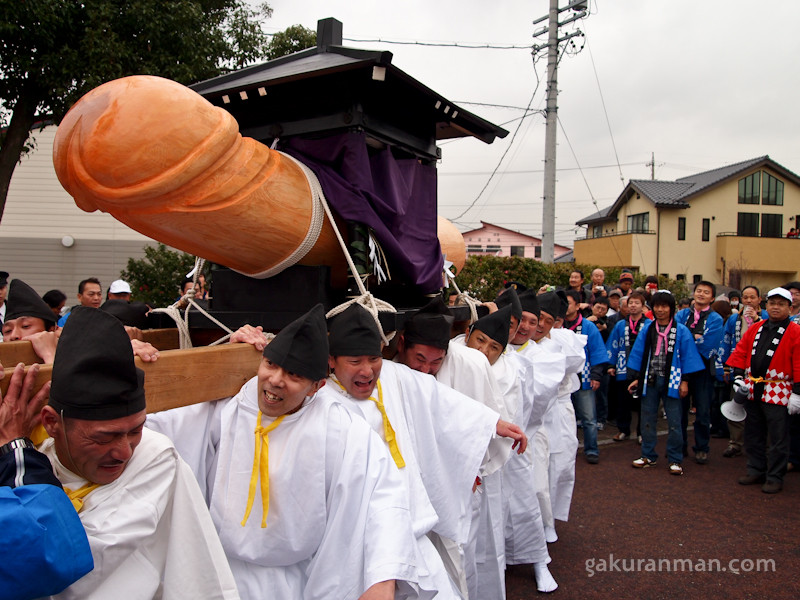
{"x": 39, "y": 434}
{"x": 388, "y": 431}
{"x": 77, "y": 496}
{"x": 521, "y": 348}
{"x": 261, "y": 466}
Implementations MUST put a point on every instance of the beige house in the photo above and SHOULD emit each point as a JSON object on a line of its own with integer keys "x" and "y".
{"x": 727, "y": 225}
{"x": 494, "y": 240}
{"x": 47, "y": 241}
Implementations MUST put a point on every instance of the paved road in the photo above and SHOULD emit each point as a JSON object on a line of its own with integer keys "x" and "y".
{"x": 703, "y": 517}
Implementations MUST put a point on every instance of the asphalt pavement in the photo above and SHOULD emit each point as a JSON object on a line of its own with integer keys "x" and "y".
{"x": 647, "y": 534}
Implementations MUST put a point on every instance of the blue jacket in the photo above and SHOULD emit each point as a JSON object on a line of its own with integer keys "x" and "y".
{"x": 712, "y": 332}
{"x": 44, "y": 544}
{"x": 596, "y": 353}
{"x": 685, "y": 358}
{"x": 616, "y": 347}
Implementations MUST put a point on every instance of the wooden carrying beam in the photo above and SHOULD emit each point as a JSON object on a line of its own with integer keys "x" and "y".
{"x": 13, "y": 353}
{"x": 182, "y": 377}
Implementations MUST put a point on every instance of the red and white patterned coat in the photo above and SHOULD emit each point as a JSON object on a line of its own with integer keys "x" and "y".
{"x": 784, "y": 367}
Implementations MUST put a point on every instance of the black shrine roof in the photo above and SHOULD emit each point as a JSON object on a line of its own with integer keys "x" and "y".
{"x": 332, "y": 87}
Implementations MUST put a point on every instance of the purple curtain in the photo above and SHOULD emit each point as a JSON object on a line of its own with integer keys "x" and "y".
{"x": 396, "y": 198}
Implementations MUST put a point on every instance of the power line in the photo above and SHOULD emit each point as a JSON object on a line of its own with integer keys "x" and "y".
{"x": 566, "y": 137}
{"x": 465, "y": 45}
{"x": 605, "y": 112}
{"x": 529, "y": 171}
{"x": 500, "y": 162}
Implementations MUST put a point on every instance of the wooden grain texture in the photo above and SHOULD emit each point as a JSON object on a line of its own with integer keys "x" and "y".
{"x": 162, "y": 339}
{"x": 184, "y": 377}
{"x": 13, "y": 353}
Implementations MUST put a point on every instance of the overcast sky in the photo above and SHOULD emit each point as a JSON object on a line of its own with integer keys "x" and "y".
{"x": 700, "y": 84}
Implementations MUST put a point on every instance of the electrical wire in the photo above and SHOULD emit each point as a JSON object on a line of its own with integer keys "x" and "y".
{"x": 605, "y": 112}
{"x": 585, "y": 181}
{"x": 468, "y": 46}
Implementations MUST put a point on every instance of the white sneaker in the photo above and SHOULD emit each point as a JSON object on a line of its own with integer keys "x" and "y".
{"x": 544, "y": 580}
{"x": 550, "y": 535}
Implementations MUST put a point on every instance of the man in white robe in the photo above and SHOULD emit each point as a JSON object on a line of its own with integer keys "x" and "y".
{"x": 559, "y": 420}
{"x": 425, "y": 346}
{"x": 333, "y": 521}
{"x": 520, "y": 532}
{"x": 437, "y": 436}
{"x": 148, "y": 528}
{"x": 540, "y": 373}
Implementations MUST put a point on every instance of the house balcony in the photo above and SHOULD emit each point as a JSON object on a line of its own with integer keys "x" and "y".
{"x": 756, "y": 253}
{"x": 635, "y": 250}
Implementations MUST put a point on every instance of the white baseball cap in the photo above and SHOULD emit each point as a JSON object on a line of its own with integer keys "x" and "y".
{"x": 119, "y": 287}
{"x": 779, "y": 291}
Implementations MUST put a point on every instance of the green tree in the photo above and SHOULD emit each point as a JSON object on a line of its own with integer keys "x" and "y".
{"x": 291, "y": 40}
{"x": 54, "y": 51}
{"x": 156, "y": 278}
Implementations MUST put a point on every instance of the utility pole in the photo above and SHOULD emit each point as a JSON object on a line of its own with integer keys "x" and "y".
{"x": 652, "y": 165}
{"x": 551, "y": 111}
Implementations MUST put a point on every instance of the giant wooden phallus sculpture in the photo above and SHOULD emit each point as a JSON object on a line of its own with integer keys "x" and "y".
{"x": 166, "y": 162}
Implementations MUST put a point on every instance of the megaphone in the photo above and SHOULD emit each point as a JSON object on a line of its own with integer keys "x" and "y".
{"x": 733, "y": 410}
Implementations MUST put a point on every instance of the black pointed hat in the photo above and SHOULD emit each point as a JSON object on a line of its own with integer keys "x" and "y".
{"x": 554, "y": 304}
{"x": 529, "y": 302}
{"x": 354, "y": 332}
{"x": 510, "y": 298}
{"x": 495, "y": 325}
{"x": 23, "y": 301}
{"x": 94, "y": 376}
{"x": 430, "y": 325}
{"x": 302, "y": 346}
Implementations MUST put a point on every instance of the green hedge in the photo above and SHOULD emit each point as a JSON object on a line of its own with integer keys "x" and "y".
{"x": 485, "y": 276}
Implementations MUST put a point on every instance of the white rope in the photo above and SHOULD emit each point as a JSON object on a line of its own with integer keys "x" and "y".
{"x": 365, "y": 299}
{"x": 464, "y": 297}
{"x": 182, "y": 320}
{"x": 373, "y": 306}
{"x": 314, "y": 228}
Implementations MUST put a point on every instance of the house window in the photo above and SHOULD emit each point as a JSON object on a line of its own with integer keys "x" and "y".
{"x": 597, "y": 231}
{"x": 537, "y": 252}
{"x": 492, "y": 248}
{"x": 748, "y": 224}
{"x": 772, "y": 193}
{"x": 681, "y": 228}
{"x": 706, "y": 229}
{"x": 749, "y": 189}
{"x": 639, "y": 223}
{"x": 518, "y": 251}
{"x": 473, "y": 248}
{"x": 771, "y": 225}
{"x": 681, "y": 276}
{"x": 697, "y": 279}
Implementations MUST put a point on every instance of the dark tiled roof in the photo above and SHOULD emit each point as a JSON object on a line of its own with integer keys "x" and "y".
{"x": 598, "y": 216}
{"x": 669, "y": 193}
{"x": 677, "y": 193}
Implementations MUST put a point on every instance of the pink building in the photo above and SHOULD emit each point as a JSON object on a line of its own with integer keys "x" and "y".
{"x": 499, "y": 241}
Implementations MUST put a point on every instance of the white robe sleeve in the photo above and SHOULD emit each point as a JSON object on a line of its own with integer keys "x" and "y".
{"x": 450, "y": 433}
{"x": 467, "y": 370}
{"x": 368, "y": 537}
{"x": 195, "y": 432}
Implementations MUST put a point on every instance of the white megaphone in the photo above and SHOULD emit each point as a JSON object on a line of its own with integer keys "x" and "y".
{"x": 733, "y": 410}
